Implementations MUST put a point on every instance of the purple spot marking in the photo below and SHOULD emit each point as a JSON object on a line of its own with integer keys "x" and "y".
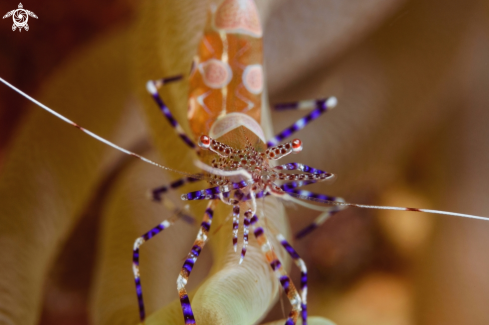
{"x": 290, "y": 250}
{"x": 188, "y": 265}
{"x": 304, "y": 314}
{"x": 303, "y": 280}
{"x": 275, "y": 264}
{"x": 188, "y": 314}
{"x": 205, "y": 225}
{"x": 258, "y": 232}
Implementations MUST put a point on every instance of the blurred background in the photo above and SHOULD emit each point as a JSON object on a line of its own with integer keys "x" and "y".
{"x": 411, "y": 129}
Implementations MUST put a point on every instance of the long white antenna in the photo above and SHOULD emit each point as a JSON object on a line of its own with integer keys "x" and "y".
{"x": 381, "y": 207}
{"x": 93, "y": 135}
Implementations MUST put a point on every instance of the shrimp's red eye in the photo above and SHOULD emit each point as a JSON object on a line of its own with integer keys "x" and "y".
{"x": 204, "y": 141}
{"x": 296, "y": 145}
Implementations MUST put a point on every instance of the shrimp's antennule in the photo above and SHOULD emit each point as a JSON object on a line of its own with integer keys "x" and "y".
{"x": 95, "y": 136}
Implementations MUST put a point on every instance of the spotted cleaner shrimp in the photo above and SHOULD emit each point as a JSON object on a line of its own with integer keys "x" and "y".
{"x": 246, "y": 172}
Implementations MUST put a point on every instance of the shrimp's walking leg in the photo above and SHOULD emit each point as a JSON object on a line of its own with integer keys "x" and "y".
{"x": 235, "y": 226}
{"x": 316, "y": 223}
{"x": 135, "y": 261}
{"x": 327, "y": 212}
{"x": 199, "y": 243}
{"x": 320, "y": 106}
{"x": 213, "y": 193}
{"x": 246, "y": 224}
{"x": 152, "y": 86}
{"x": 308, "y": 195}
{"x": 302, "y": 168}
{"x": 157, "y": 193}
{"x": 302, "y": 266}
{"x": 276, "y": 265}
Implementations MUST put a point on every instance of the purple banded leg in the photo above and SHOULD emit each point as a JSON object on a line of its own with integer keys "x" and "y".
{"x": 316, "y": 223}
{"x": 302, "y": 168}
{"x": 158, "y": 193}
{"x": 235, "y": 226}
{"x": 135, "y": 261}
{"x": 281, "y": 274}
{"x": 213, "y": 192}
{"x": 327, "y": 212}
{"x": 246, "y": 223}
{"x": 320, "y": 106}
{"x": 305, "y": 177}
{"x": 293, "y": 185}
{"x": 302, "y": 266}
{"x": 308, "y": 194}
{"x": 152, "y": 87}
{"x": 182, "y": 280}
{"x": 227, "y": 200}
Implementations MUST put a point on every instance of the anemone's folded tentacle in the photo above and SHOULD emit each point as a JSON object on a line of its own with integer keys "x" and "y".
{"x": 192, "y": 256}
{"x": 152, "y": 86}
{"x": 281, "y": 274}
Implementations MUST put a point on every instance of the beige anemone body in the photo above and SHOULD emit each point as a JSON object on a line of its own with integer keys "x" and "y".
{"x": 396, "y": 66}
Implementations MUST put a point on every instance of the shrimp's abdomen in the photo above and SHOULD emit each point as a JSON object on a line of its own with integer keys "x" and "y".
{"x": 227, "y": 75}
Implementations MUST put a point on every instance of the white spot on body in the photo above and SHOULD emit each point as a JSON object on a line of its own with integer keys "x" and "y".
{"x": 217, "y": 74}
{"x": 253, "y": 78}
